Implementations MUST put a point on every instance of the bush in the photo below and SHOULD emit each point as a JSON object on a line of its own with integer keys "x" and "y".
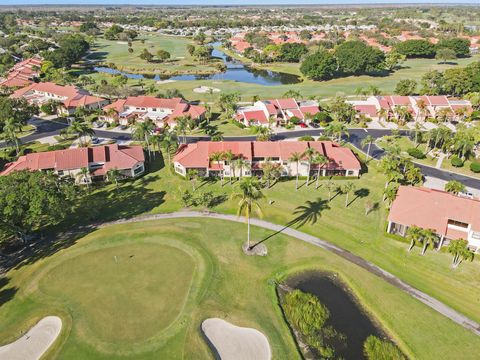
{"x": 239, "y": 124}
{"x": 306, "y": 138}
{"x": 416, "y": 153}
{"x": 56, "y": 147}
{"x": 456, "y": 161}
{"x": 475, "y": 167}
{"x": 378, "y": 349}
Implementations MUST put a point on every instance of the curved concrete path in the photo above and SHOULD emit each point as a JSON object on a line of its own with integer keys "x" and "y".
{"x": 35, "y": 342}
{"x": 230, "y": 342}
{"x": 367, "y": 265}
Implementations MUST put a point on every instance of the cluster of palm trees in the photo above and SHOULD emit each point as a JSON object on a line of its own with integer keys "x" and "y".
{"x": 312, "y": 157}
{"x": 11, "y": 128}
{"x": 235, "y": 162}
{"x": 417, "y": 235}
{"x": 460, "y": 251}
{"x": 462, "y": 142}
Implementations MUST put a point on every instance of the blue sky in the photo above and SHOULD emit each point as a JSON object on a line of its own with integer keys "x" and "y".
{"x": 229, "y": 2}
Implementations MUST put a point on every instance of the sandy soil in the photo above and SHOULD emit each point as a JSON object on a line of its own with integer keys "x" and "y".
{"x": 33, "y": 344}
{"x": 205, "y": 89}
{"x": 232, "y": 342}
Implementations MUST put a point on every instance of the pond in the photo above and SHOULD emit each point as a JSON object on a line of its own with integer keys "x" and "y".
{"x": 346, "y": 315}
{"x": 236, "y": 71}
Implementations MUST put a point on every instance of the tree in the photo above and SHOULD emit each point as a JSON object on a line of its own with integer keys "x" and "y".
{"x": 200, "y": 38}
{"x": 84, "y": 175}
{"x": 416, "y": 48}
{"x": 432, "y": 83}
{"x": 249, "y": 194}
{"x": 31, "y": 200}
{"x": 406, "y": 87}
{"x": 336, "y": 130}
{"x": 414, "y": 234}
{"x": 169, "y": 144}
{"x": 11, "y": 129}
{"x": 367, "y": 141}
{"x": 240, "y": 164}
{"x": 229, "y": 157}
{"x": 192, "y": 175}
{"x": 203, "y": 53}
{"x": 460, "y": 47}
{"x": 112, "y": 32}
{"x": 271, "y": 171}
{"x": 142, "y": 132}
{"x": 454, "y": 187}
{"x": 341, "y": 110}
{"x": 331, "y": 186}
{"x": 181, "y": 127}
{"x": 428, "y": 238}
{"x": 356, "y": 57}
{"x": 113, "y": 175}
{"x": 292, "y": 52}
{"x": 190, "y": 49}
{"x": 71, "y": 48}
{"x": 217, "y": 156}
{"x": 146, "y": 55}
{"x": 393, "y": 60}
{"x": 320, "y": 65}
{"x": 81, "y": 130}
{"x": 458, "y": 81}
{"x": 347, "y": 189}
{"x": 296, "y": 157}
{"x": 319, "y": 160}
{"x": 378, "y": 349}
{"x": 445, "y": 54}
{"x": 309, "y": 154}
{"x": 460, "y": 251}
{"x": 163, "y": 55}
{"x": 18, "y": 109}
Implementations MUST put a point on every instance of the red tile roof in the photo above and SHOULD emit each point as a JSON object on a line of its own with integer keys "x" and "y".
{"x": 111, "y": 156}
{"x": 431, "y": 209}
{"x": 370, "y": 110}
{"x": 256, "y": 115}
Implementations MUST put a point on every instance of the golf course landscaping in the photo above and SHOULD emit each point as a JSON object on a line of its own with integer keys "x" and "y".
{"x": 142, "y": 290}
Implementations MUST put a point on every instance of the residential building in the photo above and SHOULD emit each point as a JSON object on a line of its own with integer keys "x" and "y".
{"x": 341, "y": 160}
{"x": 68, "y": 97}
{"x": 23, "y": 73}
{"x": 129, "y": 160}
{"x": 450, "y": 216}
{"x": 160, "y": 111}
{"x": 276, "y": 111}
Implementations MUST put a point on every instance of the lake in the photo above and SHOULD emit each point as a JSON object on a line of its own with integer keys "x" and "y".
{"x": 236, "y": 71}
{"x": 346, "y": 315}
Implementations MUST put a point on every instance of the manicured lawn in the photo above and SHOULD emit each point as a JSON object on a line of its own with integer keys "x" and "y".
{"x": 142, "y": 290}
{"x": 160, "y": 191}
{"x": 113, "y": 51}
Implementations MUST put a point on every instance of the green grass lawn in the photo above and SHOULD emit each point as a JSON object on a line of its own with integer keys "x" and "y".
{"x": 141, "y": 291}
{"x": 113, "y": 51}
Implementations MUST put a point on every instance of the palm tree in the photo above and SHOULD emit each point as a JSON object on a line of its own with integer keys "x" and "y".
{"x": 10, "y": 130}
{"x": 367, "y": 140}
{"x": 169, "y": 144}
{"x": 84, "y": 174}
{"x": 113, "y": 175}
{"x": 217, "y": 156}
{"x": 81, "y": 130}
{"x": 296, "y": 157}
{"x": 249, "y": 194}
{"x": 382, "y": 114}
{"x": 460, "y": 251}
{"x": 240, "y": 164}
{"x": 192, "y": 174}
{"x": 142, "y": 131}
{"x": 263, "y": 133}
{"x": 454, "y": 187}
{"x": 319, "y": 160}
{"x": 331, "y": 186}
{"x": 463, "y": 145}
{"x": 414, "y": 234}
{"x": 271, "y": 171}
{"x": 156, "y": 142}
{"x": 428, "y": 238}
{"x": 347, "y": 188}
{"x": 422, "y": 109}
{"x": 229, "y": 156}
{"x": 390, "y": 193}
{"x": 444, "y": 114}
{"x": 336, "y": 129}
{"x": 181, "y": 126}
{"x": 309, "y": 154}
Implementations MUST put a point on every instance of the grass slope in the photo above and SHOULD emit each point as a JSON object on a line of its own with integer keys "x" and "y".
{"x": 225, "y": 284}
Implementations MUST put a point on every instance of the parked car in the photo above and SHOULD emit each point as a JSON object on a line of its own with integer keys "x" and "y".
{"x": 95, "y": 140}
{"x": 302, "y": 125}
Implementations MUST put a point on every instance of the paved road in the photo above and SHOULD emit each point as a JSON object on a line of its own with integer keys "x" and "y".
{"x": 49, "y": 128}
{"x": 355, "y": 259}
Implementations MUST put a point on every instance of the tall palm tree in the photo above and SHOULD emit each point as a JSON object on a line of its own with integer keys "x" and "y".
{"x": 296, "y": 157}
{"x": 113, "y": 175}
{"x": 181, "y": 127}
{"x": 142, "y": 131}
{"x": 414, "y": 234}
{"x": 217, "y": 156}
{"x": 428, "y": 238}
{"x": 11, "y": 128}
{"x": 249, "y": 194}
{"x": 156, "y": 142}
{"x": 422, "y": 109}
{"x": 367, "y": 141}
{"x": 84, "y": 174}
{"x": 229, "y": 156}
{"x": 331, "y": 186}
{"x": 240, "y": 164}
{"x": 169, "y": 144}
{"x": 463, "y": 145}
{"x": 319, "y": 160}
{"x": 382, "y": 114}
{"x": 460, "y": 251}
{"x": 347, "y": 189}
{"x": 192, "y": 174}
{"x": 81, "y": 130}
{"x": 309, "y": 154}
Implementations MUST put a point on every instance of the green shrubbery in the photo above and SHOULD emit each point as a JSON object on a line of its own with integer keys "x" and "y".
{"x": 378, "y": 349}
{"x": 416, "y": 153}
{"x": 456, "y": 161}
{"x": 475, "y": 167}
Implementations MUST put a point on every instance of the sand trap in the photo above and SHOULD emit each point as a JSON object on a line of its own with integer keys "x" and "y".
{"x": 35, "y": 342}
{"x": 205, "y": 89}
{"x": 122, "y": 42}
{"x": 165, "y": 81}
{"x": 236, "y": 343}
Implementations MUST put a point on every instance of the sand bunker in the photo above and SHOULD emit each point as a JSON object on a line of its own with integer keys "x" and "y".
{"x": 35, "y": 342}
{"x": 232, "y": 342}
{"x": 205, "y": 90}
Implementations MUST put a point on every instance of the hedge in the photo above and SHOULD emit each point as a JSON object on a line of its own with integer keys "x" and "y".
{"x": 456, "y": 161}
{"x": 416, "y": 153}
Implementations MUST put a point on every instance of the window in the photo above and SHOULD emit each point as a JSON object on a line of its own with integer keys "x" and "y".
{"x": 350, "y": 172}
{"x": 457, "y": 223}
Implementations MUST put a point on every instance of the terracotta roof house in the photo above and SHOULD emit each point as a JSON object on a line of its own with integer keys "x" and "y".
{"x": 129, "y": 160}
{"x": 160, "y": 111}
{"x": 450, "y": 216}
{"x": 342, "y": 161}
{"x": 23, "y": 73}
{"x": 70, "y": 97}
{"x": 277, "y": 111}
